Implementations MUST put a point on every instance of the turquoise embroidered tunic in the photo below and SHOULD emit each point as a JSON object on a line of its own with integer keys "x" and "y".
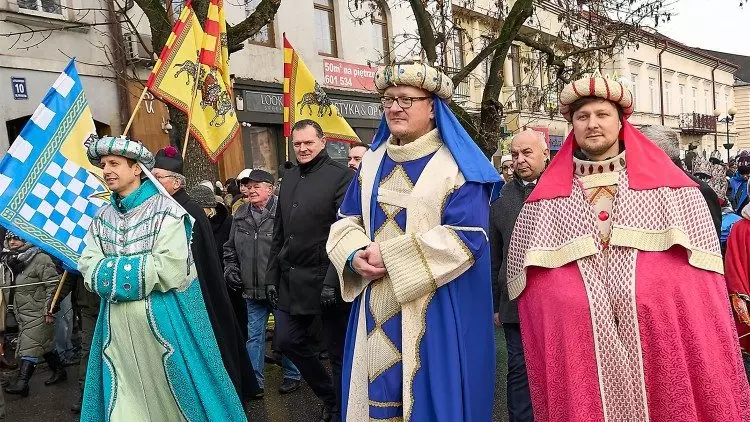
{"x": 154, "y": 355}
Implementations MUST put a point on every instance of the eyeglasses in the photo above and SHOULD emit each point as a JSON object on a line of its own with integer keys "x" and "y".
{"x": 403, "y": 102}
{"x": 165, "y": 176}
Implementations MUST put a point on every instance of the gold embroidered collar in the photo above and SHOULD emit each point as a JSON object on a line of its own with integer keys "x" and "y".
{"x": 421, "y": 147}
{"x": 612, "y": 165}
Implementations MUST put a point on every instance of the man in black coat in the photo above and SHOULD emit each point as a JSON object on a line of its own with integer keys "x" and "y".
{"x": 168, "y": 171}
{"x": 299, "y": 282}
{"x": 530, "y": 155}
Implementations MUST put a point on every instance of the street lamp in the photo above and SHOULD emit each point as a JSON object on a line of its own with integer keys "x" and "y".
{"x": 727, "y": 120}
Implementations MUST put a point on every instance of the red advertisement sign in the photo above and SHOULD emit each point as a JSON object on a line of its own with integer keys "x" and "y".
{"x": 348, "y": 75}
{"x": 544, "y": 131}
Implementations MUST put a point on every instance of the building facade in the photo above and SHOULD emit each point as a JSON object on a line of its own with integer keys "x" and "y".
{"x": 36, "y": 49}
{"x": 673, "y": 84}
{"x": 341, "y": 47}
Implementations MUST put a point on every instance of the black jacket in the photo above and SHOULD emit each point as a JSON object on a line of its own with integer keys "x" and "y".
{"x": 503, "y": 215}
{"x": 309, "y": 199}
{"x": 249, "y": 247}
{"x": 223, "y": 321}
{"x": 221, "y": 225}
{"x": 712, "y": 200}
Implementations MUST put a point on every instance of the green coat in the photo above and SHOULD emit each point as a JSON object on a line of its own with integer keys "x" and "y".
{"x": 35, "y": 337}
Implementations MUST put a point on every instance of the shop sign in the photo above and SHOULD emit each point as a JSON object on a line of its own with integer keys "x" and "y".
{"x": 265, "y": 102}
{"x": 358, "y": 109}
{"x": 348, "y": 75}
{"x": 555, "y": 142}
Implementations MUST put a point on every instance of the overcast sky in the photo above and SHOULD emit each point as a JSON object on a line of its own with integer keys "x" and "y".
{"x": 719, "y": 25}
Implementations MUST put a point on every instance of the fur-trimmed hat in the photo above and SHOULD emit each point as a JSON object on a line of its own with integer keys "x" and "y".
{"x": 121, "y": 146}
{"x": 596, "y": 86}
{"x": 414, "y": 74}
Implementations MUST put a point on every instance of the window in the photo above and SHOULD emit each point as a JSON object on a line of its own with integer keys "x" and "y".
{"x": 48, "y": 6}
{"x": 458, "y": 48}
{"x": 706, "y": 106}
{"x": 176, "y": 8}
{"x": 265, "y": 36}
{"x": 682, "y": 98}
{"x": 515, "y": 64}
{"x": 653, "y": 95}
{"x": 380, "y": 39}
{"x": 695, "y": 99}
{"x": 667, "y": 96}
{"x": 485, "y": 41}
{"x": 325, "y": 28}
{"x": 634, "y": 90}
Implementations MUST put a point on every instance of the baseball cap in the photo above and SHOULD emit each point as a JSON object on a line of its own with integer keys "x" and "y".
{"x": 258, "y": 175}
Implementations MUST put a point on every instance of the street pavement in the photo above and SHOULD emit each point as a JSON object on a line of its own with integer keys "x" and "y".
{"x": 52, "y": 403}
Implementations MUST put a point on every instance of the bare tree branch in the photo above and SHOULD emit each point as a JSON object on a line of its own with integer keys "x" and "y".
{"x": 262, "y": 16}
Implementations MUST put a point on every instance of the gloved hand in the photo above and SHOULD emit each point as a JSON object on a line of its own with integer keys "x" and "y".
{"x": 272, "y": 295}
{"x": 233, "y": 278}
{"x": 47, "y": 304}
{"x": 328, "y": 297}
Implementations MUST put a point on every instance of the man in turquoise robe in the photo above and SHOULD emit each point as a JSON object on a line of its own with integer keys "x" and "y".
{"x": 154, "y": 355}
{"x": 412, "y": 254}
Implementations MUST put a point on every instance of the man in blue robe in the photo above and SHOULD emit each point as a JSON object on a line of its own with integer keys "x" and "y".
{"x": 412, "y": 254}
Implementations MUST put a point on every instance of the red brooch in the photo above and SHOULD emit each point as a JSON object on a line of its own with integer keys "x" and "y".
{"x": 603, "y": 216}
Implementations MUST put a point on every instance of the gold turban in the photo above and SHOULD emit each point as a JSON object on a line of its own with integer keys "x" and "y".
{"x": 414, "y": 74}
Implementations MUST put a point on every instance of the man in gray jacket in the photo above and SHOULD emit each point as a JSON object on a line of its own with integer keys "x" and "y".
{"x": 246, "y": 255}
{"x": 530, "y": 155}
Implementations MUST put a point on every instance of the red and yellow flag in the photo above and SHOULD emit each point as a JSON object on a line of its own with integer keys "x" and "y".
{"x": 191, "y": 51}
{"x": 305, "y": 99}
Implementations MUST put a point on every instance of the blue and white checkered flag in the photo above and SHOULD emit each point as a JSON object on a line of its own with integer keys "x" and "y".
{"x": 49, "y": 192}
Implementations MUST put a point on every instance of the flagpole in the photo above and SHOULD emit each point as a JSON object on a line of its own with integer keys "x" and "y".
{"x": 192, "y": 104}
{"x": 135, "y": 110}
{"x": 57, "y": 292}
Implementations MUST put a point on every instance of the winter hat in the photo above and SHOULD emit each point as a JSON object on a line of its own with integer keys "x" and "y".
{"x": 10, "y": 235}
{"x": 259, "y": 175}
{"x": 169, "y": 159}
{"x": 743, "y": 159}
{"x": 596, "y": 86}
{"x": 203, "y": 196}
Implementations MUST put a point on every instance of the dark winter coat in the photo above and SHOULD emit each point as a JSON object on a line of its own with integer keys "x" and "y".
{"x": 249, "y": 247}
{"x": 211, "y": 277}
{"x": 309, "y": 199}
{"x": 30, "y": 265}
{"x": 221, "y": 225}
{"x": 503, "y": 215}
{"x": 712, "y": 200}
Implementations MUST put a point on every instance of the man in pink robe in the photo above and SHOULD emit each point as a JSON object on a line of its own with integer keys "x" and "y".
{"x": 616, "y": 266}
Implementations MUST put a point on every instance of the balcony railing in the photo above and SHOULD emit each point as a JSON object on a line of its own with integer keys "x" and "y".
{"x": 697, "y": 123}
